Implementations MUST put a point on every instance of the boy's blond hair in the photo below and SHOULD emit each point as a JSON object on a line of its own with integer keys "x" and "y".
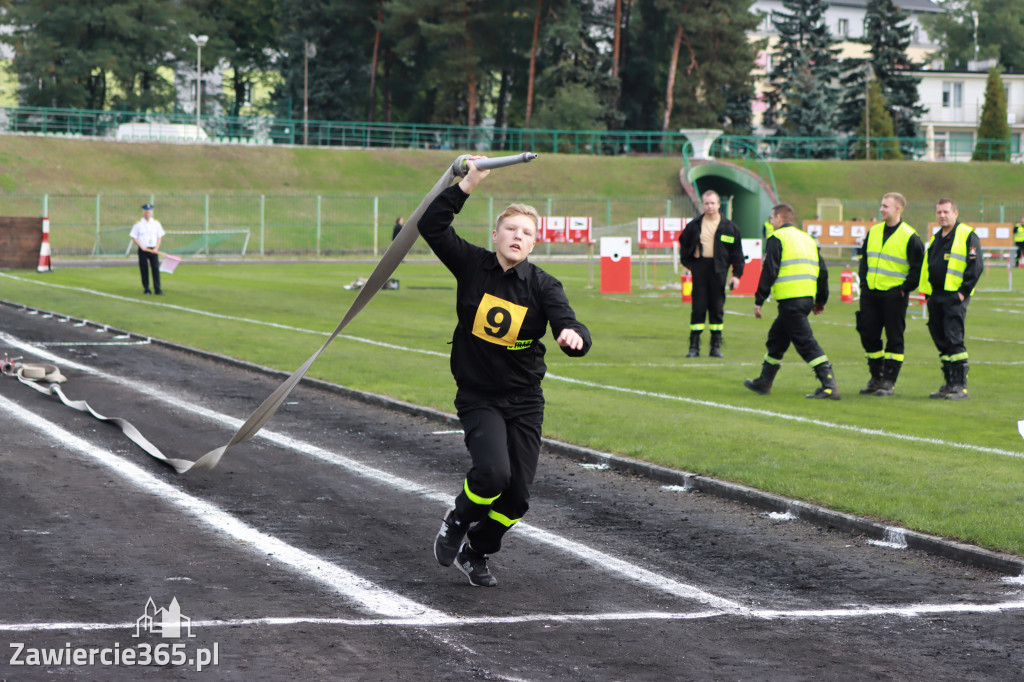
{"x": 519, "y": 209}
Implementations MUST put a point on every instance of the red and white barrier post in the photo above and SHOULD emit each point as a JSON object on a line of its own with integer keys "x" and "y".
{"x": 44, "y": 250}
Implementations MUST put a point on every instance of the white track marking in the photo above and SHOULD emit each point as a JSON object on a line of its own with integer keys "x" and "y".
{"x": 591, "y": 556}
{"x": 849, "y": 613}
{"x": 365, "y": 594}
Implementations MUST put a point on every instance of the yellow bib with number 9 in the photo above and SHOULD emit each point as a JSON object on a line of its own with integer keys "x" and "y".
{"x": 498, "y": 321}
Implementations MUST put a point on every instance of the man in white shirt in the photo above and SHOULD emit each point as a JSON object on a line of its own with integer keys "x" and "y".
{"x": 147, "y": 234}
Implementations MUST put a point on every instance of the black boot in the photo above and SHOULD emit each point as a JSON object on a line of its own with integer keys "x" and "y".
{"x": 875, "y": 366}
{"x": 694, "y": 345}
{"x": 828, "y": 389}
{"x": 958, "y": 381}
{"x": 890, "y": 372}
{"x": 716, "y": 345}
{"x": 944, "y": 388}
{"x": 763, "y": 384}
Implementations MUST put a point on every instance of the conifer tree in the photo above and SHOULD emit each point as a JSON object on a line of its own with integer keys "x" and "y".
{"x": 993, "y": 143}
{"x": 805, "y": 79}
{"x": 882, "y": 144}
{"x": 889, "y": 34}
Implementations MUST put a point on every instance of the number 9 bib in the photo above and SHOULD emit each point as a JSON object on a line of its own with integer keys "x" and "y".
{"x": 498, "y": 321}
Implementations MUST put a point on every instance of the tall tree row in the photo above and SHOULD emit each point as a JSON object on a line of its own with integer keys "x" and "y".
{"x": 582, "y": 64}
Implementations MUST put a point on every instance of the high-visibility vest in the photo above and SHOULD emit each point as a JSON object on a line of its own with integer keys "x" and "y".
{"x": 798, "y": 269}
{"x": 887, "y": 263}
{"x": 956, "y": 265}
{"x": 1018, "y": 233}
{"x": 768, "y": 229}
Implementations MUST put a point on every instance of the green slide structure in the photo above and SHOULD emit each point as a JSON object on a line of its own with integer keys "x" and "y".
{"x": 747, "y": 197}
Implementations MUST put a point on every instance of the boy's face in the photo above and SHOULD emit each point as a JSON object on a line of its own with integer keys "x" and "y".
{"x": 514, "y": 240}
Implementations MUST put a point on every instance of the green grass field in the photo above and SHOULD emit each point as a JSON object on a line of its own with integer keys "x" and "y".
{"x": 946, "y": 468}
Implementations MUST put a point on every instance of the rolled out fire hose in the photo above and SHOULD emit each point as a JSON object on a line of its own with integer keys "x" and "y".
{"x": 399, "y": 248}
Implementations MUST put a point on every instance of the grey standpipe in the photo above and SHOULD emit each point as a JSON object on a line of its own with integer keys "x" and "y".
{"x": 460, "y": 168}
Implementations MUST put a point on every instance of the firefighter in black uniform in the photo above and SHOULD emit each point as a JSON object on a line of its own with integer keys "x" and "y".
{"x": 504, "y": 306}
{"x": 890, "y": 267}
{"x": 708, "y": 246}
{"x": 953, "y": 265}
{"x": 794, "y": 274}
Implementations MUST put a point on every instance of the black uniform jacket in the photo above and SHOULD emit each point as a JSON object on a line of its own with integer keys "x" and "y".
{"x": 726, "y": 252}
{"x": 502, "y": 315}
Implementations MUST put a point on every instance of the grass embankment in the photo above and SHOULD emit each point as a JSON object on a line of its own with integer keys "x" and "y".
{"x": 952, "y": 469}
{"x": 54, "y": 165}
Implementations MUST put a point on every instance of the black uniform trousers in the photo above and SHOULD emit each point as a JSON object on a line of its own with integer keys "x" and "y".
{"x": 708, "y": 295}
{"x": 792, "y": 326}
{"x": 149, "y": 261}
{"x": 882, "y": 310}
{"x": 503, "y": 437}
{"x": 947, "y": 315}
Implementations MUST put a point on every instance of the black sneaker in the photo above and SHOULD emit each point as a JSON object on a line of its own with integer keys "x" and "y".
{"x": 449, "y": 538}
{"x": 474, "y": 565}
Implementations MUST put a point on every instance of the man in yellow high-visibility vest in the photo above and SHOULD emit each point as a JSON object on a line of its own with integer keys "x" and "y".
{"x": 953, "y": 264}
{"x": 1018, "y": 241}
{"x": 794, "y": 274}
{"x": 890, "y": 267}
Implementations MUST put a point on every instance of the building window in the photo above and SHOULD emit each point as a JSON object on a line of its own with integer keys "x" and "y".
{"x": 952, "y": 95}
{"x": 843, "y": 30}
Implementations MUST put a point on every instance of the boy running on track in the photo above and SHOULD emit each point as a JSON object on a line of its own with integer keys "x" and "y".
{"x": 504, "y": 306}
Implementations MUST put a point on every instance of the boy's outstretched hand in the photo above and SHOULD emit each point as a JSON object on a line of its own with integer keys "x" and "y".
{"x": 570, "y": 338}
{"x": 473, "y": 176}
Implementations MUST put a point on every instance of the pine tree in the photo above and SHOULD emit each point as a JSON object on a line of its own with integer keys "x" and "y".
{"x": 712, "y": 87}
{"x": 883, "y": 146}
{"x": 72, "y": 54}
{"x": 889, "y": 34}
{"x": 993, "y": 142}
{"x": 805, "y": 78}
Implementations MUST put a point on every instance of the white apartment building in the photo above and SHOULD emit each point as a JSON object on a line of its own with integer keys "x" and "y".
{"x": 955, "y": 100}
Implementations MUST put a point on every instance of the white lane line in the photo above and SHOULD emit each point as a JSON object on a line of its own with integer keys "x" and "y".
{"x": 619, "y": 389}
{"x": 592, "y": 556}
{"x": 365, "y": 594}
{"x": 67, "y": 344}
{"x": 850, "y": 613}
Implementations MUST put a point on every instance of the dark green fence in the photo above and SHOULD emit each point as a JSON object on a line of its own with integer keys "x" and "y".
{"x": 270, "y": 130}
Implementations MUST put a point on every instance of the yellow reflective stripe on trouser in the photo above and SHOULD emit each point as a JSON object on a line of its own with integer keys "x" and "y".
{"x": 818, "y": 360}
{"x": 697, "y": 327}
{"x": 898, "y": 357}
{"x": 875, "y": 355}
{"x": 716, "y": 327}
{"x": 958, "y": 357}
{"x": 772, "y": 361}
{"x": 502, "y": 519}
{"x": 476, "y": 499}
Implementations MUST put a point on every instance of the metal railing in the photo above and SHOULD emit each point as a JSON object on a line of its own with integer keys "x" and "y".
{"x": 362, "y": 134}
